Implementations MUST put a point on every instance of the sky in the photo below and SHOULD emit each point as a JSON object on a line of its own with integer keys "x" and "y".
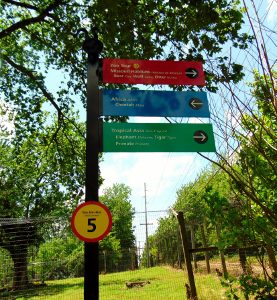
{"x": 164, "y": 173}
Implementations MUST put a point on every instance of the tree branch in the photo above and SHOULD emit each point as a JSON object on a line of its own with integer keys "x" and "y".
{"x": 21, "y": 4}
{"x": 30, "y": 74}
{"x": 244, "y": 187}
{"x": 44, "y": 91}
{"x": 24, "y": 23}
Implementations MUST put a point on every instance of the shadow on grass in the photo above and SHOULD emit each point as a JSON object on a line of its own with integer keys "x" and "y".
{"x": 50, "y": 289}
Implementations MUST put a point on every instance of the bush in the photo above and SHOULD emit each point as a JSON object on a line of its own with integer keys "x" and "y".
{"x": 54, "y": 260}
{"x": 249, "y": 285}
{"x": 6, "y": 268}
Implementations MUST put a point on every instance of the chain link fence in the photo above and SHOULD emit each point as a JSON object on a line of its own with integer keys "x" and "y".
{"x": 41, "y": 259}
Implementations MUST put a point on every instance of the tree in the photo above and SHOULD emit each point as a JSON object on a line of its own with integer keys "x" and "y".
{"x": 111, "y": 253}
{"x": 38, "y": 179}
{"x": 257, "y": 158}
{"x": 229, "y": 218}
{"x": 190, "y": 200}
{"x": 252, "y": 167}
{"x": 117, "y": 199}
{"x": 248, "y": 135}
{"x": 164, "y": 245}
{"x": 33, "y": 45}
{"x": 39, "y": 37}
{"x": 60, "y": 258}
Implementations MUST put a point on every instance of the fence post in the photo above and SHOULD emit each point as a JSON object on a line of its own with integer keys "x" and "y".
{"x": 192, "y": 292}
{"x": 223, "y": 262}
{"x": 192, "y": 235}
{"x": 207, "y": 257}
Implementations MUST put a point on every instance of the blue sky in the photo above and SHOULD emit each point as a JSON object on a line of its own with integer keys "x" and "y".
{"x": 165, "y": 173}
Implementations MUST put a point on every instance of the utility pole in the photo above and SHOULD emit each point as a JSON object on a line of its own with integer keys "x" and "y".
{"x": 146, "y": 227}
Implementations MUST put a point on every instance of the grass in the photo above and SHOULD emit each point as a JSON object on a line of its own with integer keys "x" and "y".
{"x": 165, "y": 283}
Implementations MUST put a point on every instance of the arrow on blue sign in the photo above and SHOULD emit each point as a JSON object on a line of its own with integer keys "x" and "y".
{"x": 154, "y": 103}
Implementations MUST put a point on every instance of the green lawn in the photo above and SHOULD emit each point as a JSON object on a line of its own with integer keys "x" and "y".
{"x": 165, "y": 283}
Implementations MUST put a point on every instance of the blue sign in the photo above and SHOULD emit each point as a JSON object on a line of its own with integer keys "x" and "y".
{"x": 154, "y": 103}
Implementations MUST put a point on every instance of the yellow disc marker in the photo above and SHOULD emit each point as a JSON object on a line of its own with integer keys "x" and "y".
{"x": 91, "y": 221}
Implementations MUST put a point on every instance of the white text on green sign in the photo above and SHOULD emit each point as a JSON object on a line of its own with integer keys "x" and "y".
{"x": 161, "y": 137}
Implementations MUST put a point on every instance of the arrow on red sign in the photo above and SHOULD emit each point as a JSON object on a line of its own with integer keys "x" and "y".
{"x": 191, "y": 73}
{"x": 133, "y": 71}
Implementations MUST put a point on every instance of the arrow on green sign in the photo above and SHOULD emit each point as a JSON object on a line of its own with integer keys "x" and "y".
{"x": 157, "y": 137}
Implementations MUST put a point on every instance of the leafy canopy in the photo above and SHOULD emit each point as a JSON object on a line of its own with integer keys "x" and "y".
{"x": 117, "y": 199}
{"x": 37, "y": 37}
{"x": 40, "y": 177}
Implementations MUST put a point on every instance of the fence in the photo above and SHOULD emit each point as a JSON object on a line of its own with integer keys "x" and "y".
{"x": 41, "y": 259}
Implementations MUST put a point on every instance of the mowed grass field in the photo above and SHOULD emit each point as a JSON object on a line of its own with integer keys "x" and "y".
{"x": 165, "y": 283}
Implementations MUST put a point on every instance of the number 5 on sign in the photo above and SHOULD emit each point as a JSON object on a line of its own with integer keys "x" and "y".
{"x": 91, "y": 224}
{"x": 91, "y": 221}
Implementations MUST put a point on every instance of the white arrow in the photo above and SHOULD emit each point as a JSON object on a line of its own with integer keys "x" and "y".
{"x": 202, "y": 136}
{"x": 196, "y": 103}
{"x": 192, "y": 72}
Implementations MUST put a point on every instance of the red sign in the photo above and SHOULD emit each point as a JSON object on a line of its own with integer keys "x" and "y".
{"x": 134, "y": 71}
{"x": 91, "y": 221}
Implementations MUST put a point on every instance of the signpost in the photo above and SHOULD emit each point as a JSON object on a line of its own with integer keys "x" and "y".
{"x": 156, "y": 137}
{"x": 134, "y": 71}
{"x": 154, "y": 103}
{"x": 91, "y": 221}
{"x": 93, "y": 47}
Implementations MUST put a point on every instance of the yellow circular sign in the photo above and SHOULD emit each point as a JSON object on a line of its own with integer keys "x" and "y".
{"x": 91, "y": 221}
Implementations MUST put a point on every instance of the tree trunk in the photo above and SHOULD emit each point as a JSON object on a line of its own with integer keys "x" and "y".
{"x": 207, "y": 258}
{"x": 19, "y": 257}
{"x": 243, "y": 260}
{"x": 271, "y": 257}
{"x": 179, "y": 251}
{"x": 16, "y": 236}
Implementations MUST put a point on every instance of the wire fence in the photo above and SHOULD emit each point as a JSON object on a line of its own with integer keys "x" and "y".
{"x": 41, "y": 259}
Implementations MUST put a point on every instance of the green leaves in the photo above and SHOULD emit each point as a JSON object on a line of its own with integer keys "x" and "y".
{"x": 38, "y": 174}
{"x": 257, "y": 157}
{"x": 117, "y": 199}
{"x": 37, "y": 36}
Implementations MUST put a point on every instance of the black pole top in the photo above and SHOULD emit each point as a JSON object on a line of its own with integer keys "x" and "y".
{"x": 91, "y": 45}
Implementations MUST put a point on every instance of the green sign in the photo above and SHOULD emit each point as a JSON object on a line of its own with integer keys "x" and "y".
{"x": 153, "y": 137}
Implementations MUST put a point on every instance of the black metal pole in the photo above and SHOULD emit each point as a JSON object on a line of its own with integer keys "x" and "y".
{"x": 91, "y": 276}
{"x": 91, "y": 254}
